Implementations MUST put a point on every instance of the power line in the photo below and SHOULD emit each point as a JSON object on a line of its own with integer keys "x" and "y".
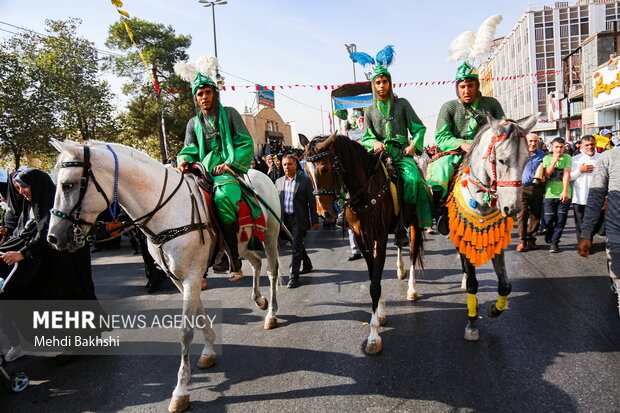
{"x": 107, "y": 52}
{"x": 277, "y": 91}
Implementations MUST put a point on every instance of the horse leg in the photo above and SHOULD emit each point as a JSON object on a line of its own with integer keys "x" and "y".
{"x": 191, "y": 299}
{"x": 255, "y": 261}
{"x": 471, "y": 331}
{"x": 273, "y": 271}
{"x": 207, "y": 357}
{"x": 373, "y": 344}
{"x": 496, "y": 309}
{"x": 401, "y": 273}
{"x": 464, "y": 279}
{"x": 412, "y": 294}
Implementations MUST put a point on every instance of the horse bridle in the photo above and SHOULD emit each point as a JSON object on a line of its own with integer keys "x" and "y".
{"x": 491, "y": 189}
{"x": 350, "y": 201}
{"x": 338, "y": 172}
{"x": 87, "y": 175}
{"x": 74, "y": 214}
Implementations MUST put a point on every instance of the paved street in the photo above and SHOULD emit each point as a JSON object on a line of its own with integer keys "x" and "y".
{"x": 555, "y": 349}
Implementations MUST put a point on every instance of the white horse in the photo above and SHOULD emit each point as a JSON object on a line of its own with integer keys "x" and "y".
{"x": 160, "y": 199}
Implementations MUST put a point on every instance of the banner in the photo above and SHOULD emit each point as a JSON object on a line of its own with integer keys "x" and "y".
{"x": 352, "y": 102}
{"x": 266, "y": 97}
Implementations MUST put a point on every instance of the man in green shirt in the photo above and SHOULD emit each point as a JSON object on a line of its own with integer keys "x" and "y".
{"x": 387, "y": 124}
{"x": 218, "y": 138}
{"x": 558, "y": 192}
{"x": 458, "y": 123}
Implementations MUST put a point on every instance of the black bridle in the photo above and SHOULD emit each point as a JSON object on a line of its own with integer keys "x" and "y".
{"x": 338, "y": 169}
{"x": 87, "y": 175}
{"x": 74, "y": 214}
{"x": 340, "y": 191}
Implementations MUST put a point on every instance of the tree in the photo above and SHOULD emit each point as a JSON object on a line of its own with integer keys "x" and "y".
{"x": 49, "y": 88}
{"x": 27, "y": 118}
{"x": 70, "y": 66}
{"x": 152, "y": 116}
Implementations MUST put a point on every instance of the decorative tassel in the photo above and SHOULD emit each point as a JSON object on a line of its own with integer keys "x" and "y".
{"x": 502, "y": 227}
{"x": 467, "y": 236}
{"x": 483, "y": 256}
{"x": 491, "y": 236}
{"x": 254, "y": 244}
{"x": 461, "y": 230}
{"x": 485, "y": 238}
{"x": 464, "y": 183}
{"x": 474, "y": 238}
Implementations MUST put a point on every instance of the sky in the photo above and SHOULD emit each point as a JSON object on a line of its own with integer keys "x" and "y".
{"x": 291, "y": 42}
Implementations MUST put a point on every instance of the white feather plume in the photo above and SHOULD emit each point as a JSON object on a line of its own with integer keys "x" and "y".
{"x": 206, "y": 65}
{"x": 461, "y": 46}
{"x": 185, "y": 71}
{"x": 485, "y": 35}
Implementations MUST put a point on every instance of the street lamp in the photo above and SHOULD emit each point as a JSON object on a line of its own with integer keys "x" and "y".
{"x": 352, "y": 48}
{"x": 212, "y": 4}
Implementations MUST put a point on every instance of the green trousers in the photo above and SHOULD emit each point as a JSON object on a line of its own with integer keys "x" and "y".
{"x": 414, "y": 189}
{"x": 226, "y": 195}
{"x": 438, "y": 173}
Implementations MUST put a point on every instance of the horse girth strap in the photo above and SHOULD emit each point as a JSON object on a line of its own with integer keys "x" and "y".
{"x": 172, "y": 233}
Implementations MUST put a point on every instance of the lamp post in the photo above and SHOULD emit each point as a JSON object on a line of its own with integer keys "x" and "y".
{"x": 212, "y": 4}
{"x": 352, "y": 48}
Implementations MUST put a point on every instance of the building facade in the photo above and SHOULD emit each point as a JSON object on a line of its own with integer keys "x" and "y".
{"x": 527, "y": 65}
{"x": 268, "y": 130}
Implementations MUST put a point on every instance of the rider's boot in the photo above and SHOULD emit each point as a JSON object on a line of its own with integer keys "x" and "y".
{"x": 441, "y": 212}
{"x": 229, "y": 234}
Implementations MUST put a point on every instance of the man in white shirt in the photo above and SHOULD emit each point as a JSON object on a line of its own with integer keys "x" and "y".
{"x": 581, "y": 174}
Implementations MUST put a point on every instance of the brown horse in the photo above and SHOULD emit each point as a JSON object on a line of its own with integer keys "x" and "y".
{"x": 336, "y": 166}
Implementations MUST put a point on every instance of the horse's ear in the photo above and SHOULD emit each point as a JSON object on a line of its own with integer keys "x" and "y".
{"x": 495, "y": 125}
{"x": 321, "y": 146}
{"x": 62, "y": 146}
{"x": 529, "y": 123}
{"x": 303, "y": 140}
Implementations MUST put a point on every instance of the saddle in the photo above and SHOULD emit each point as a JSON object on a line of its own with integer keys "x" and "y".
{"x": 249, "y": 229}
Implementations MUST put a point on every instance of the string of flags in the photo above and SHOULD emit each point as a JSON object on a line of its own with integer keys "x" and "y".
{"x": 395, "y": 85}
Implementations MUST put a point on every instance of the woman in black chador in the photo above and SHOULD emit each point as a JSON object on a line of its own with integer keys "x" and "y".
{"x": 43, "y": 272}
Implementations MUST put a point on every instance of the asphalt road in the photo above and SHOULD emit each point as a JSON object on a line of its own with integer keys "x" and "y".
{"x": 555, "y": 349}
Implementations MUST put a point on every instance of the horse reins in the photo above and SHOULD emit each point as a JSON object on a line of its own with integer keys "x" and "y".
{"x": 88, "y": 175}
{"x": 491, "y": 189}
{"x": 339, "y": 185}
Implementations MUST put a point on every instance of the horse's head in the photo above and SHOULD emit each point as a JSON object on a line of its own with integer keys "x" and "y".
{"x": 498, "y": 158}
{"x": 79, "y": 197}
{"x": 320, "y": 167}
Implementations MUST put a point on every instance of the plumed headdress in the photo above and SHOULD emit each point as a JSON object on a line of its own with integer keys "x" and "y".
{"x": 199, "y": 75}
{"x": 379, "y": 64}
{"x": 469, "y": 47}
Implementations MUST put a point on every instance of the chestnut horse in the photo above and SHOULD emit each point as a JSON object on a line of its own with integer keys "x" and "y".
{"x": 337, "y": 165}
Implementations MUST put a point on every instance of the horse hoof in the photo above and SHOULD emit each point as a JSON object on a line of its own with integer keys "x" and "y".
{"x": 270, "y": 323}
{"x": 373, "y": 347}
{"x": 472, "y": 334}
{"x": 382, "y": 320}
{"x": 401, "y": 274}
{"x": 262, "y": 303}
{"x": 413, "y": 296}
{"x": 493, "y": 312}
{"x": 178, "y": 404}
{"x": 204, "y": 362}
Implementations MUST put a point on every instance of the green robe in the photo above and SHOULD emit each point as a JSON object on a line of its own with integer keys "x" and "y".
{"x": 455, "y": 126}
{"x": 390, "y": 124}
{"x": 233, "y": 146}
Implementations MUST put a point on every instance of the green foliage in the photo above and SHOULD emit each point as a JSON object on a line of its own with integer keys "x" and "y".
{"x": 161, "y": 48}
{"x": 49, "y": 87}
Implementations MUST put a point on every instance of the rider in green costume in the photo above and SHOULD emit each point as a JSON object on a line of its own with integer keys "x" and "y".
{"x": 218, "y": 138}
{"x": 387, "y": 123}
{"x": 458, "y": 123}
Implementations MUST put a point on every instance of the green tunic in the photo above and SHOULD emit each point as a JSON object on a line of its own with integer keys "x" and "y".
{"x": 390, "y": 124}
{"x": 223, "y": 138}
{"x": 455, "y": 126}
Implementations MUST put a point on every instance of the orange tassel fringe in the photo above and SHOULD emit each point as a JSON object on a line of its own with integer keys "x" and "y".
{"x": 479, "y": 238}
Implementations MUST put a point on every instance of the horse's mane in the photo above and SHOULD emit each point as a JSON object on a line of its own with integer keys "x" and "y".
{"x": 118, "y": 147}
{"x": 351, "y": 152}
